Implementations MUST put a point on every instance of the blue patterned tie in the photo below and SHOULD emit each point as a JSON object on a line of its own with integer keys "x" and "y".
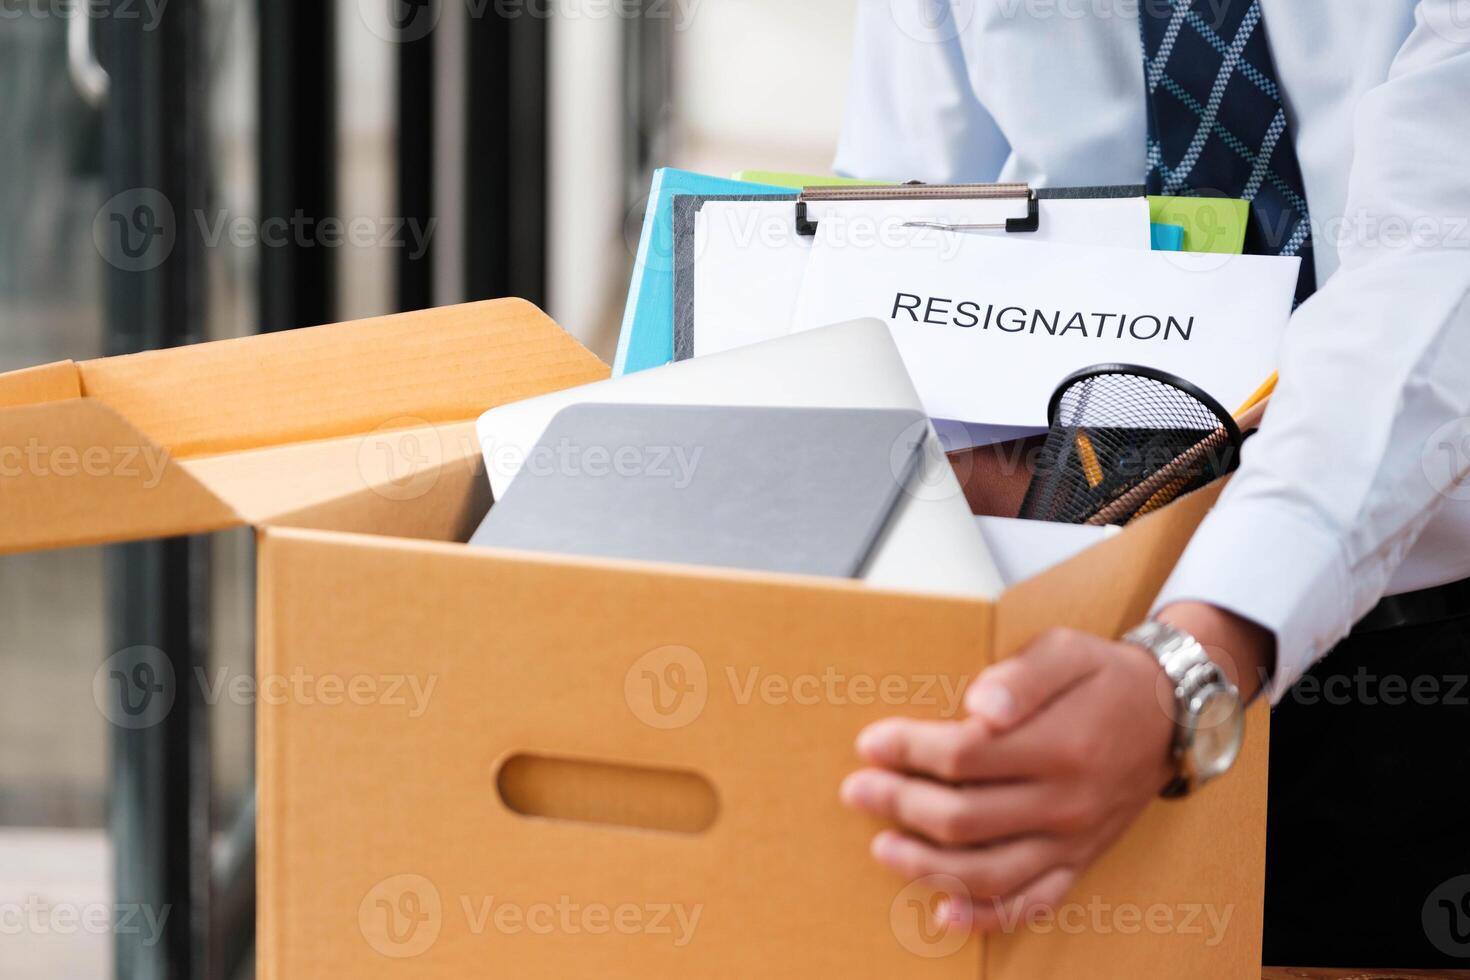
{"x": 1216, "y": 124}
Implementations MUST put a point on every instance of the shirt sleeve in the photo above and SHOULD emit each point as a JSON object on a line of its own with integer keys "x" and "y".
{"x": 911, "y": 111}
{"x": 1367, "y": 433}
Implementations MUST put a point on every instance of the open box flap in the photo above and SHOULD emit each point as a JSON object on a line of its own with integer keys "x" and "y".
{"x": 337, "y": 426}
{"x": 426, "y": 482}
{"x": 442, "y": 365}
{"x": 76, "y": 473}
{"x": 43, "y": 383}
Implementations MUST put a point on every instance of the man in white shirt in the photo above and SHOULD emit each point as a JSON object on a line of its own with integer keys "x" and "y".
{"x": 1353, "y": 110}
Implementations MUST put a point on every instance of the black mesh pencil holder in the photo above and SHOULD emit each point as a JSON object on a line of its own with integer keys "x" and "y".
{"x": 1125, "y": 440}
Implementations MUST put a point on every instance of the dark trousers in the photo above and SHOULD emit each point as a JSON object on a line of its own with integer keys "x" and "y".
{"x": 1368, "y": 826}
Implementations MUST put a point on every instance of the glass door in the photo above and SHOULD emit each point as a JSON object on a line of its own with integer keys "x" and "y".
{"x": 55, "y": 857}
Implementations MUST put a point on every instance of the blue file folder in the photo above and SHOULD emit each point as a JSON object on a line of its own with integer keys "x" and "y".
{"x": 647, "y": 336}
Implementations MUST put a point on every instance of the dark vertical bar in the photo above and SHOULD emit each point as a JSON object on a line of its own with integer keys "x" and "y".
{"x": 233, "y": 897}
{"x": 160, "y": 791}
{"x": 505, "y": 233}
{"x": 154, "y": 146}
{"x": 298, "y": 162}
{"x": 416, "y": 163}
{"x": 155, "y": 152}
{"x": 647, "y": 81}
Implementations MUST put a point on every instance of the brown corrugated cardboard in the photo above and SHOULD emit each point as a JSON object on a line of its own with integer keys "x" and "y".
{"x": 481, "y": 776}
{"x": 354, "y": 426}
{"x": 45, "y": 383}
{"x": 542, "y": 656}
{"x": 1204, "y": 859}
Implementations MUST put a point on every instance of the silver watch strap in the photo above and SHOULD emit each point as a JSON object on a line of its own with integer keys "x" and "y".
{"x": 1191, "y": 671}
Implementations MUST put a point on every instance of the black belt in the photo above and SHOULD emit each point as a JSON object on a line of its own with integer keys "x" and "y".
{"x": 1423, "y": 608}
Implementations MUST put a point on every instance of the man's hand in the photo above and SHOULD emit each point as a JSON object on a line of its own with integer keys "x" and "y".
{"x": 1064, "y": 746}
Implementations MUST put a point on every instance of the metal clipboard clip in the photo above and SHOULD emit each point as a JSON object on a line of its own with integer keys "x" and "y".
{"x": 915, "y": 191}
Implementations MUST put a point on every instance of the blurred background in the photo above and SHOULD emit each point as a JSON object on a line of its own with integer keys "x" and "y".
{"x": 267, "y": 164}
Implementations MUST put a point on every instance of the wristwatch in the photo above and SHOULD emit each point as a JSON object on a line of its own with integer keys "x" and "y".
{"x": 1209, "y": 722}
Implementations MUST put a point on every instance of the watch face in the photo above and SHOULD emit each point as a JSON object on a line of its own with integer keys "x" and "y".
{"x": 1218, "y": 730}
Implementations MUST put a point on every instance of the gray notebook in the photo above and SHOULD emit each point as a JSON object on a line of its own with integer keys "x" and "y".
{"x": 805, "y": 490}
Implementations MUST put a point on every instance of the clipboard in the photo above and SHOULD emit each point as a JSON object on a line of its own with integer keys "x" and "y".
{"x": 1181, "y": 224}
{"x": 686, "y": 207}
{"x": 916, "y": 191}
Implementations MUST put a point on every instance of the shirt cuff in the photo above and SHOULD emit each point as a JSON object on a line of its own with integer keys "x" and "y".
{"x": 1264, "y": 562}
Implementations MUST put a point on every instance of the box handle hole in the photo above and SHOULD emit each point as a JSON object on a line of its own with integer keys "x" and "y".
{"x": 583, "y": 791}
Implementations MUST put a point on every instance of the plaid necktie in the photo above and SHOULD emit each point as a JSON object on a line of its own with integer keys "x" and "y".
{"x": 1216, "y": 124}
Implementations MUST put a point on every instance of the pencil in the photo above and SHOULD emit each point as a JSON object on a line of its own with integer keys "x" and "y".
{"x": 1087, "y": 454}
{"x": 1260, "y": 395}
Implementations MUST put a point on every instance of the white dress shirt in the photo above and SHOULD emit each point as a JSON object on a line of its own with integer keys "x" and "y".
{"x": 1354, "y": 486}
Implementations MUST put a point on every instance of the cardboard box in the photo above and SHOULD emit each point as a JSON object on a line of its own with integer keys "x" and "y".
{"x": 476, "y": 762}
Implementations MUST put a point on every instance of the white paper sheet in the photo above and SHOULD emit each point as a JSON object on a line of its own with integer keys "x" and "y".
{"x": 748, "y": 267}
{"x": 750, "y": 262}
{"x": 979, "y": 347}
{"x": 1022, "y": 549}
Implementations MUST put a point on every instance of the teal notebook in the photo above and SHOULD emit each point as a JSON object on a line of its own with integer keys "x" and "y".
{"x": 647, "y": 336}
{"x": 1168, "y": 238}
